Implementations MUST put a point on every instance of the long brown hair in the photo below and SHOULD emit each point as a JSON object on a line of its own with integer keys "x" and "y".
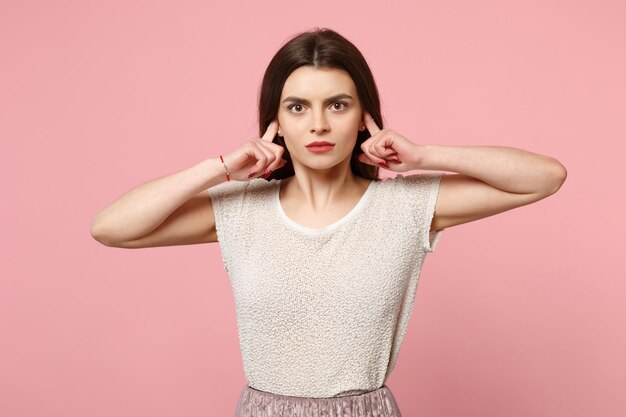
{"x": 319, "y": 48}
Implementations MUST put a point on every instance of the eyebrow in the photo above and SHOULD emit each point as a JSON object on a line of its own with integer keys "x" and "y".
{"x": 328, "y": 100}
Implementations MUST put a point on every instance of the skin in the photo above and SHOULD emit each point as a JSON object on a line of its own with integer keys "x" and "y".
{"x": 323, "y": 189}
{"x": 487, "y": 179}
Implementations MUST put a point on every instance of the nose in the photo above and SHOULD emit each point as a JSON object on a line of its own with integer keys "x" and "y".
{"x": 320, "y": 124}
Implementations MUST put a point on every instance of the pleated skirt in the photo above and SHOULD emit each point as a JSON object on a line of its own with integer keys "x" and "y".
{"x": 377, "y": 403}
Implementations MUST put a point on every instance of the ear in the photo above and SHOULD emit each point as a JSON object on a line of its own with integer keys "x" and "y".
{"x": 278, "y": 127}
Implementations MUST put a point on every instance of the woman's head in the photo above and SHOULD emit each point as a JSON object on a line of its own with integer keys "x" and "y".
{"x": 300, "y": 89}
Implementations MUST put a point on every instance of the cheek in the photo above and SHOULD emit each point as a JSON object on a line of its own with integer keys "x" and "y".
{"x": 349, "y": 126}
{"x": 348, "y": 142}
{"x": 290, "y": 126}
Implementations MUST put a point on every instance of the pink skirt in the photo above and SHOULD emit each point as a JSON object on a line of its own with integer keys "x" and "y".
{"x": 377, "y": 403}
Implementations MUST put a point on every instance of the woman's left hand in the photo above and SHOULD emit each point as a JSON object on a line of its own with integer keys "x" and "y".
{"x": 389, "y": 149}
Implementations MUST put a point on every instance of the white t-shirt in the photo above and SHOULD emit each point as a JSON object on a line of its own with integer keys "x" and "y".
{"x": 323, "y": 312}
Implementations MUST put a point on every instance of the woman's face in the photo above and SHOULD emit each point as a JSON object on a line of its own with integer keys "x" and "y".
{"x": 319, "y": 105}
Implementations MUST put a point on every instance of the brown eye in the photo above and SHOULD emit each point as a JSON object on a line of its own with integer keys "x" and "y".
{"x": 294, "y": 105}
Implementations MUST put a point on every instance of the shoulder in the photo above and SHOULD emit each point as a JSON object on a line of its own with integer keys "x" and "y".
{"x": 420, "y": 178}
{"x": 240, "y": 191}
{"x": 228, "y": 188}
{"x": 410, "y": 182}
{"x": 228, "y": 196}
{"x": 414, "y": 190}
{"x": 260, "y": 184}
{"x": 234, "y": 186}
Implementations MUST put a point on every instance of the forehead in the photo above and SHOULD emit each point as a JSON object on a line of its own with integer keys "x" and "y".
{"x": 309, "y": 82}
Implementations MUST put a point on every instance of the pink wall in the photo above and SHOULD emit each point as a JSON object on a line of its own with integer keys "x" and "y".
{"x": 519, "y": 314}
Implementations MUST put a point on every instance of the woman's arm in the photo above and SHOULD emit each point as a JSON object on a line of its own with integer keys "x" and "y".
{"x": 143, "y": 209}
{"x": 490, "y": 180}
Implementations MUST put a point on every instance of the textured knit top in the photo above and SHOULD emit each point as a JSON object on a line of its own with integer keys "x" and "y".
{"x": 323, "y": 312}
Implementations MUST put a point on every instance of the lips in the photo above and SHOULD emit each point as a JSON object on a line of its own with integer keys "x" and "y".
{"x": 320, "y": 144}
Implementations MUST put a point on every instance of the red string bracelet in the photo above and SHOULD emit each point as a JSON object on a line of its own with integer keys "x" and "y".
{"x": 227, "y": 173}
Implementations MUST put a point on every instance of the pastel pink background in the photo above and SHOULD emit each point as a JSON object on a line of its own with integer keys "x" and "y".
{"x": 519, "y": 314}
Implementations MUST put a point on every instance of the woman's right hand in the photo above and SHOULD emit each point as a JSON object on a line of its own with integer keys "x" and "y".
{"x": 256, "y": 157}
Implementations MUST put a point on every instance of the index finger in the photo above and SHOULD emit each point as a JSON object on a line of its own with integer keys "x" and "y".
{"x": 271, "y": 131}
{"x": 370, "y": 123}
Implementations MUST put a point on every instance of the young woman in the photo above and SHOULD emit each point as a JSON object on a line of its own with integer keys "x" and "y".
{"x": 323, "y": 256}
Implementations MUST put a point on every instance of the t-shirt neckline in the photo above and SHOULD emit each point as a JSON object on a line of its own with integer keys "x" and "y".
{"x": 328, "y": 228}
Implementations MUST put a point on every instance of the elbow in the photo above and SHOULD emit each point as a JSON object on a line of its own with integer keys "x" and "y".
{"x": 98, "y": 236}
{"x": 98, "y": 233}
{"x": 102, "y": 235}
{"x": 557, "y": 177}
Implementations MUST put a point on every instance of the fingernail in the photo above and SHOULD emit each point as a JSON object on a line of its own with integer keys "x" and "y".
{"x": 251, "y": 175}
{"x": 383, "y": 164}
{"x": 396, "y": 160}
{"x": 267, "y": 173}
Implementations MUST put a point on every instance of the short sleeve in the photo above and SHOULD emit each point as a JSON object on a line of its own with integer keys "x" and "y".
{"x": 422, "y": 190}
{"x": 227, "y": 199}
